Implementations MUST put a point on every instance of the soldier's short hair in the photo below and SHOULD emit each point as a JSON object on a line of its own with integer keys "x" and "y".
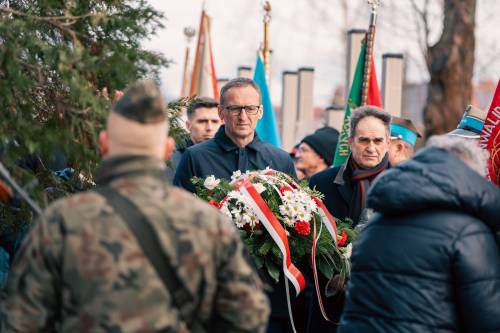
{"x": 237, "y": 83}
{"x": 369, "y": 111}
{"x": 142, "y": 102}
{"x": 200, "y": 102}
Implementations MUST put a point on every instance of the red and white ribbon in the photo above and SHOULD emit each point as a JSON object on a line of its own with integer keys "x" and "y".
{"x": 327, "y": 219}
{"x": 277, "y": 232}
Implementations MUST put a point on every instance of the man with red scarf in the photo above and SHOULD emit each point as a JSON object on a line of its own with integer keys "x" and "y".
{"x": 345, "y": 190}
{"x": 345, "y": 187}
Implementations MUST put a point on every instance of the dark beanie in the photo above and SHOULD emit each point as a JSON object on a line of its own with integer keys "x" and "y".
{"x": 324, "y": 142}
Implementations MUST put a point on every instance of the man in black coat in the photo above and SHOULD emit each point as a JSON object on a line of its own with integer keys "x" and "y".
{"x": 345, "y": 189}
{"x": 428, "y": 261}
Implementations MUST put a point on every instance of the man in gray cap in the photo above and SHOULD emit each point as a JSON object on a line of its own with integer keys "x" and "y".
{"x": 134, "y": 255}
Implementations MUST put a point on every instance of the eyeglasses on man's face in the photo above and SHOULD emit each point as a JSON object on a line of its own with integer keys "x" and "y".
{"x": 235, "y": 110}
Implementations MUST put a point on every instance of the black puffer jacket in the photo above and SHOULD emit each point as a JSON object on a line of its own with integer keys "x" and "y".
{"x": 427, "y": 261}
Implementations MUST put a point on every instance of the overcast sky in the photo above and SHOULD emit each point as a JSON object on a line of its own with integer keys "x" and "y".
{"x": 305, "y": 33}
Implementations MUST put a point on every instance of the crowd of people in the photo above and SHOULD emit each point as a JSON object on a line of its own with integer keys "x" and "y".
{"x": 140, "y": 253}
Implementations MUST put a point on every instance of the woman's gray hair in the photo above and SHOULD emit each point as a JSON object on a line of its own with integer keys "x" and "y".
{"x": 465, "y": 149}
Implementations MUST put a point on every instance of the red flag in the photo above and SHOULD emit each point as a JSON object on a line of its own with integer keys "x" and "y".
{"x": 204, "y": 80}
{"x": 490, "y": 137}
{"x": 374, "y": 97}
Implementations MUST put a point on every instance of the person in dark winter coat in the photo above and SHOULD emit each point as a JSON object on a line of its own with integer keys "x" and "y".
{"x": 428, "y": 261}
{"x": 345, "y": 189}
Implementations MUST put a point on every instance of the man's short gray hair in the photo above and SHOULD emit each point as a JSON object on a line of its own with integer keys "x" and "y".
{"x": 237, "y": 83}
{"x": 369, "y": 111}
{"x": 465, "y": 149}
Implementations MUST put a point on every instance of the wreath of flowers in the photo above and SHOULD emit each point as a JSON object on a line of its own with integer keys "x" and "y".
{"x": 299, "y": 211}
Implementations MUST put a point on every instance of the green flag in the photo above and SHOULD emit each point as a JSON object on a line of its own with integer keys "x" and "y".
{"x": 343, "y": 151}
{"x": 355, "y": 94}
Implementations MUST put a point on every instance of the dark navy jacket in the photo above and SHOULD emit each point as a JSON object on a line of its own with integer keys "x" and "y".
{"x": 175, "y": 159}
{"x": 427, "y": 261}
{"x": 221, "y": 157}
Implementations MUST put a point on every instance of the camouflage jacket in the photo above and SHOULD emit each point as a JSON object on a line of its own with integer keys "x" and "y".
{"x": 81, "y": 269}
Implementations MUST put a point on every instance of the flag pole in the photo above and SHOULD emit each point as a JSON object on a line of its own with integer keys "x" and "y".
{"x": 265, "y": 49}
{"x": 189, "y": 33}
{"x": 370, "y": 38}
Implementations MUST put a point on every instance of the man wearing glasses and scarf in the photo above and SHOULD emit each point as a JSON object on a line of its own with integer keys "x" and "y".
{"x": 235, "y": 146}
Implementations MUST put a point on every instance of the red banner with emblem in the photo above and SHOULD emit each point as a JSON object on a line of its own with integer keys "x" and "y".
{"x": 490, "y": 137}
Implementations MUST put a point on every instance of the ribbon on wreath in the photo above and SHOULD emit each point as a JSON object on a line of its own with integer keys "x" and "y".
{"x": 279, "y": 234}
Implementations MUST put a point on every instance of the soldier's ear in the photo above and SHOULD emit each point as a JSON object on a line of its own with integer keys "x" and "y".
{"x": 169, "y": 148}
{"x": 103, "y": 143}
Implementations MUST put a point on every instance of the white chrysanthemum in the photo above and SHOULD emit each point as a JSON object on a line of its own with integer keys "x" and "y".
{"x": 254, "y": 221}
{"x": 285, "y": 210}
{"x": 246, "y": 219}
{"x": 211, "y": 182}
{"x": 296, "y": 208}
{"x": 303, "y": 216}
{"x": 239, "y": 224}
{"x": 288, "y": 197}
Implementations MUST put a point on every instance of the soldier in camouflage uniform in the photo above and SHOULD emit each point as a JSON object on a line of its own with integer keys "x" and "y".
{"x": 82, "y": 270}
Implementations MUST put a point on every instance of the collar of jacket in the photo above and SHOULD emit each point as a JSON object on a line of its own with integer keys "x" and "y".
{"x": 129, "y": 165}
{"x": 228, "y": 145}
{"x": 339, "y": 179}
{"x": 186, "y": 145}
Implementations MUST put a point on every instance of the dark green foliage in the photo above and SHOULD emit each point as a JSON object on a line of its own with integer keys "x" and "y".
{"x": 58, "y": 62}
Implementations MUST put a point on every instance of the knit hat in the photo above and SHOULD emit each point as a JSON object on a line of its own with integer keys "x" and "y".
{"x": 324, "y": 142}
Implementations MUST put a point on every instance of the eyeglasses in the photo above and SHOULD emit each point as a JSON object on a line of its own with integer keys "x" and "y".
{"x": 235, "y": 110}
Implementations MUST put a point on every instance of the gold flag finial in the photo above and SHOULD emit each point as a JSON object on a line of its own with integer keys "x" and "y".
{"x": 266, "y": 51}
{"x": 369, "y": 40}
{"x": 189, "y": 33}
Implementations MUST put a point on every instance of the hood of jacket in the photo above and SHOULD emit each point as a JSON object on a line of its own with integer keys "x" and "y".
{"x": 436, "y": 179}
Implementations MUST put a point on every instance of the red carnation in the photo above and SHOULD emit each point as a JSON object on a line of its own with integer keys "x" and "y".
{"x": 283, "y": 189}
{"x": 302, "y": 228}
{"x": 343, "y": 240}
{"x": 214, "y": 203}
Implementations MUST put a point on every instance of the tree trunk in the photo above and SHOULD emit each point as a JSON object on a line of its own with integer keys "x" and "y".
{"x": 450, "y": 62}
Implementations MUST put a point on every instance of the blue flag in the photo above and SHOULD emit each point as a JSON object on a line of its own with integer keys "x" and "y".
{"x": 267, "y": 130}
